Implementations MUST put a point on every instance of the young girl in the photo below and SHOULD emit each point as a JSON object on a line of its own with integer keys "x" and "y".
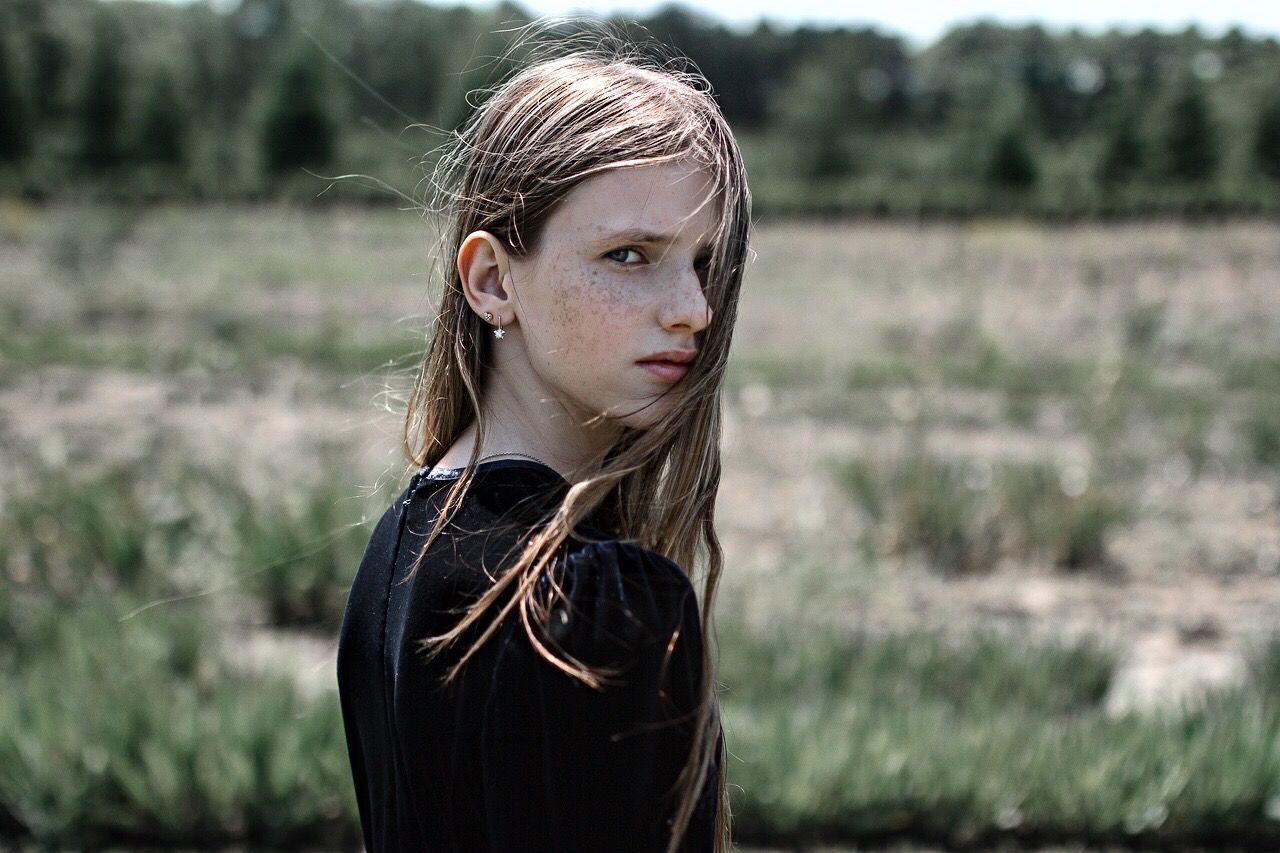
{"x": 523, "y": 663}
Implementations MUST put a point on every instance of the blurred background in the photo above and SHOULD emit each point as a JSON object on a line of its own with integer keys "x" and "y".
{"x": 1007, "y": 368}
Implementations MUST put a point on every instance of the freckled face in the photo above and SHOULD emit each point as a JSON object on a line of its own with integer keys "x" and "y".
{"x": 592, "y": 303}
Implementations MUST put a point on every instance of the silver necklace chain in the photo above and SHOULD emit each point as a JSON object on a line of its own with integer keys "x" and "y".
{"x": 428, "y": 471}
{"x": 525, "y": 455}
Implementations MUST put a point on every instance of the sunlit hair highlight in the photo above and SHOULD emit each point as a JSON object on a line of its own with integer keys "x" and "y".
{"x": 582, "y": 103}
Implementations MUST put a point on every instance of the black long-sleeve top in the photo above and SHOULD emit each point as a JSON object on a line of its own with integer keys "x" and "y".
{"x": 516, "y": 755}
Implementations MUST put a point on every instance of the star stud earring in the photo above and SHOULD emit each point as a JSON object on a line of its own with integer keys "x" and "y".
{"x": 497, "y": 333}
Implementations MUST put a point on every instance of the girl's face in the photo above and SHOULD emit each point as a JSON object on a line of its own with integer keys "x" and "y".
{"x": 617, "y": 278}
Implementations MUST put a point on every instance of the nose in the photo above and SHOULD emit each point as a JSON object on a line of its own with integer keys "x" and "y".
{"x": 685, "y": 304}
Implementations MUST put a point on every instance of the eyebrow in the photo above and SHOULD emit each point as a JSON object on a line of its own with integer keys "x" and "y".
{"x": 632, "y": 235}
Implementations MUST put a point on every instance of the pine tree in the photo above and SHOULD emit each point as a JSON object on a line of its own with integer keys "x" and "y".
{"x": 162, "y": 125}
{"x": 100, "y": 104}
{"x": 50, "y": 61}
{"x": 1190, "y": 144}
{"x": 1123, "y": 153}
{"x": 15, "y": 126}
{"x": 1011, "y": 164}
{"x": 1266, "y": 139}
{"x": 298, "y": 129}
{"x": 813, "y": 113}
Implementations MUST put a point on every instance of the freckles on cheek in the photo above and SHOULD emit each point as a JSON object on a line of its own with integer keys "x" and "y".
{"x": 591, "y": 303}
{"x": 594, "y": 317}
{"x": 596, "y": 287}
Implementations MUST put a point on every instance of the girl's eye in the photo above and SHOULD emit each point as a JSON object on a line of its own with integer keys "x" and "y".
{"x": 703, "y": 268}
{"x": 623, "y": 253}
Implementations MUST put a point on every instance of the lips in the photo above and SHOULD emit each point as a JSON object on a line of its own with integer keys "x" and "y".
{"x": 678, "y": 356}
{"x": 667, "y": 371}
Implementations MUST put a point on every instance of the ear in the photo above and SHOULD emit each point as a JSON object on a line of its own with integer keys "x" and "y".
{"x": 484, "y": 269}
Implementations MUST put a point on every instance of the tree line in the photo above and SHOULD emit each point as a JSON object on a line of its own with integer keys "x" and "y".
{"x": 155, "y": 100}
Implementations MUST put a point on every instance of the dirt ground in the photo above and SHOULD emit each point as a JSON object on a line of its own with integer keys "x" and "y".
{"x": 1201, "y": 579}
{"x": 1182, "y": 627}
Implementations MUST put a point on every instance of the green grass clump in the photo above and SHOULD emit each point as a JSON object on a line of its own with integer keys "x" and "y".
{"x": 69, "y": 531}
{"x": 965, "y": 516}
{"x": 222, "y": 345}
{"x": 67, "y": 535}
{"x": 1252, "y": 373}
{"x": 1068, "y": 529}
{"x": 135, "y": 732}
{"x": 85, "y": 239}
{"x": 863, "y": 739}
{"x": 926, "y": 507}
{"x": 299, "y": 558}
{"x": 987, "y": 366}
{"x": 775, "y": 371}
{"x": 1261, "y": 430}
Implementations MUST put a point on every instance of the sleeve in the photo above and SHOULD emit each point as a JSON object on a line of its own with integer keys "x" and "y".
{"x": 570, "y": 768}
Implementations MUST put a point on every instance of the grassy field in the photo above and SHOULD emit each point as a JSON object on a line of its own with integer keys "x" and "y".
{"x": 1017, "y": 579}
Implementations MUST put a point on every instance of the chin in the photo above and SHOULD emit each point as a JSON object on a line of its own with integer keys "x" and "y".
{"x": 644, "y": 416}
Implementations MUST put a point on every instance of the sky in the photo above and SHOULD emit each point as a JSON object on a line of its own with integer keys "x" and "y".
{"x": 921, "y": 22}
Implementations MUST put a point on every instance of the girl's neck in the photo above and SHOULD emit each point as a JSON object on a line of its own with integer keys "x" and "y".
{"x": 507, "y": 444}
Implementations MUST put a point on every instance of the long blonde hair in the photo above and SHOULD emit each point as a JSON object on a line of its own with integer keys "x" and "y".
{"x": 584, "y": 109}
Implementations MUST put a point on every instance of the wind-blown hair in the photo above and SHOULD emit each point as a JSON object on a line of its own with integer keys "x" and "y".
{"x": 591, "y": 103}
